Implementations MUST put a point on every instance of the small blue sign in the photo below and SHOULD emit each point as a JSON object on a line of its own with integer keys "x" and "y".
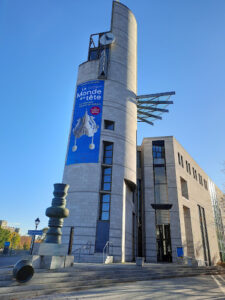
{"x": 35, "y": 232}
{"x": 180, "y": 252}
{"x": 86, "y": 125}
{"x": 7, "y": 244}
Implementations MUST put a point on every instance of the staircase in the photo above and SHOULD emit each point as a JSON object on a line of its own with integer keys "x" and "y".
{"x": 95, "y": 258}
{"x": 86, "y": 276}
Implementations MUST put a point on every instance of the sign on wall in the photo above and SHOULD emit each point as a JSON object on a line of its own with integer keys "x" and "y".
{"x": 86, "y": 125}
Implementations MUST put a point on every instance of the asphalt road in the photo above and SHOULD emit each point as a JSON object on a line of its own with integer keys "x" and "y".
{"x": 200, "y": 287}
{"x": 6, "y": 261}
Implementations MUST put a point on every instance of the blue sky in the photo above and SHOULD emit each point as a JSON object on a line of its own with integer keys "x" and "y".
{"x": 181, "y": 47}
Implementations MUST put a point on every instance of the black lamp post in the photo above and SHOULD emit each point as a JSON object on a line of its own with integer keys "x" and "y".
{"x": 37, "y": 221}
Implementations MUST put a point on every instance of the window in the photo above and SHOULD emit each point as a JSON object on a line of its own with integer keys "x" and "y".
{"x": 106, "y": 178}
{"x": 104, "y": 207}
{"x": 205, "y": 241}
{"x": 196, "y": 177}
{"x": 158, "y": 152}
{"x": 182, "y": 162}
{"x": 184, "y": 187}
{"x": 205, "y": 184}
{"x": 179, "y": 160}
{"x": 189, "y": 168}
{"x": 161, "y": 194}
{"x": 193, "y": 171}
{"x": 186, "y": 166}
{"x": 160, "y": 174}
{"x": 195, "y": 174}
{"x": 109, "y": 125}
{"x": 107, "y": 153}
{"x": 200, "y": 179}
{"x": 106, "y": 183}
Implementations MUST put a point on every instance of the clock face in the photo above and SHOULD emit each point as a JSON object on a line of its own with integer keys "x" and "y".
{"x": 107, "y": 38}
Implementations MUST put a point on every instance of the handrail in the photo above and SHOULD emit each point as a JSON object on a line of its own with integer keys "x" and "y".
{"x": 106, "y": 247}
{"x": 84, "y": 247}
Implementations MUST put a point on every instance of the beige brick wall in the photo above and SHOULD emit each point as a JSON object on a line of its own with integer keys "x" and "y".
{"x": 198, "y": 195}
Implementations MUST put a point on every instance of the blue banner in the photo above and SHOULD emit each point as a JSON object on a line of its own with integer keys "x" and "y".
{"x": 86, "y": 125}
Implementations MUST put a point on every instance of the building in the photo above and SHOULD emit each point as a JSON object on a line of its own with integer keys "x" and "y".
{"x": 4, "y": 225}
{"x": 111, "y": 201}
{"x": 178, "y": 205}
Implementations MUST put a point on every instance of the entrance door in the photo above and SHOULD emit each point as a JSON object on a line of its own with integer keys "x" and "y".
{"x": 163, "y": 240}
{"x": 102, "y": 235}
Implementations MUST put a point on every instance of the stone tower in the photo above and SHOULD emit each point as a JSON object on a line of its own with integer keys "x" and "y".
{"x": 101, "y": 156}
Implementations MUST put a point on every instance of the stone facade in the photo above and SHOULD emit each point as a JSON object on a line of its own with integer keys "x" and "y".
{"x": 119, "y": 106}
{"x": 188, "y": 188}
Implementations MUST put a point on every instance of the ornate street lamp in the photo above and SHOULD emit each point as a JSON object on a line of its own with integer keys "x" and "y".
{"x": 37, "y": 221}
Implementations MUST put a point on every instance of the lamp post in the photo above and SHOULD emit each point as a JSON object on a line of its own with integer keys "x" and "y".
{"x": 37, "y": 221}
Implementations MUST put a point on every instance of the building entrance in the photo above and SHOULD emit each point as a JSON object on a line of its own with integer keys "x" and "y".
{"x": 163, "y": 242}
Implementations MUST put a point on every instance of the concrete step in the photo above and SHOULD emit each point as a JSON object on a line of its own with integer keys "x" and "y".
{"x": 84, "y": 276}
{"x": 89, "y": 258}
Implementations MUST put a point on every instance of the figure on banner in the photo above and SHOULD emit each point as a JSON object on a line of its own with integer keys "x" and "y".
{"x": 85, "y": 126}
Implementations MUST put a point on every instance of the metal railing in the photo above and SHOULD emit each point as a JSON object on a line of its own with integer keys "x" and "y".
{"x": 106, "y": 250}
{"x": 87, "y": 247}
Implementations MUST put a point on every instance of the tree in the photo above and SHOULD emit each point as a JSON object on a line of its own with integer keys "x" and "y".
{"x": 15, "y": 239}
{"x": 26, "y": 246}
{"x": 42, "y": 237}
{"x": 4, "y": 237}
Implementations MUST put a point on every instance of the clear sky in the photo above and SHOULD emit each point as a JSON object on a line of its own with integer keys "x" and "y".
{"x": 181, "y": 47}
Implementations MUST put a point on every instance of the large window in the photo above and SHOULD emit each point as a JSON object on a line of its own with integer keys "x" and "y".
{"x": 184, "y": 188}
{"x": 160, "y": 174}
{"x": 106, "y": 183}
{"x": 106, "y": 178}
{"x": 204, "y": 233}
{"x": 159, "y": 171}
{"x": 158, "y": 151}
{"x": 107, "y": 154}
{"x": 105, "y": 206}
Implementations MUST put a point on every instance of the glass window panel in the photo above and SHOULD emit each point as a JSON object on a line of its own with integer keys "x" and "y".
{"x": 107, "y": 171}
{"x": 108, "y": 160}
{"x": 106, "y": 198}
{"x": 161, "y": 195}
{"x": 107, "y": 186}
{"x": 162, "y": 217}
{"x": 108, "y": 146}
{"x": 107, "y": 178}
{"x": 160, "y": 175}
{"x": 105, "y": 207}
{"x": 109, "y": 125}
{"x": 105, "y": 216}
{"x": 108, "y": 153}
{"x": 159, "y": 161}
